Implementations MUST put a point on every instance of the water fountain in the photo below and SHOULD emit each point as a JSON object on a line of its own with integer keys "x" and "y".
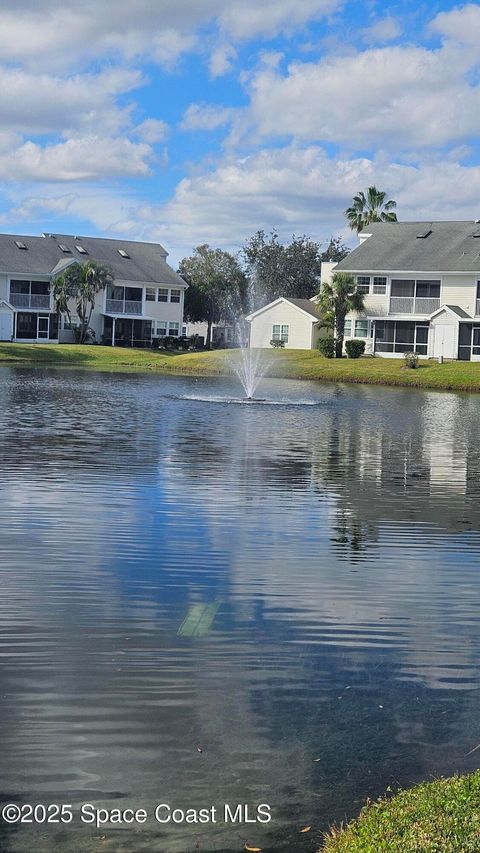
{"x": 250, "y": 365}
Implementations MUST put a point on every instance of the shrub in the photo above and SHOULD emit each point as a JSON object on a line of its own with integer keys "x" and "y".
{"x": 327, "y": 347}
{"x": 354, "y": 348}
{"x": 277, "y": 344}
{"x": 411, "y": 360}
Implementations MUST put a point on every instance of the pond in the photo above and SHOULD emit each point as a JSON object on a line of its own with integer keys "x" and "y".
{"x": 205, "y": 603}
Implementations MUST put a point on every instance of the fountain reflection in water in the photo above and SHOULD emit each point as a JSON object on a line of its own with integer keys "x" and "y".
{"x": 250, "y": 365}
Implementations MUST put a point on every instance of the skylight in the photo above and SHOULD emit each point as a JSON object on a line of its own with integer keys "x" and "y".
{"x": 476, "y": 234}
{"x": 64, "y": 248}
{"x": 123, "y": 253}
{"x": 81, "y": 249}
{"x": 20, "y": 245}
{"x": 423, "y": 234}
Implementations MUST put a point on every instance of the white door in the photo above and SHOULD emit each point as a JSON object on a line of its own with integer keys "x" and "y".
{"x": 6, "y": 325}
{"x": 444, "y": 340}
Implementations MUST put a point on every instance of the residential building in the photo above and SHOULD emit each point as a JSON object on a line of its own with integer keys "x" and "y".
{"x": 421, "y": 282}
{"x": 145, "y": 300}
{"x": 294, "y": 322}
{"x": 223, "y": 334}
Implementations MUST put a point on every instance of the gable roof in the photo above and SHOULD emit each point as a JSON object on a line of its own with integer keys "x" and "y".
{"x": 146, "y": 261}
{"x": 304, "y": 305}
{"x": 447, "y": 247}
{"x": 452, "y": 309}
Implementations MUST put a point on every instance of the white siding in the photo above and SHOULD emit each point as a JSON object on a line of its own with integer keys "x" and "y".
{"x": 299, "y": 327}
{"x": 459, "y": 290}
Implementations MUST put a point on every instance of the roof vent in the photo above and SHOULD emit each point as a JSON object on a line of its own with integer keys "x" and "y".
{"x": 123, "y": 253}
{"x": 20, "y": 245}
{"x": 422, "y": 235}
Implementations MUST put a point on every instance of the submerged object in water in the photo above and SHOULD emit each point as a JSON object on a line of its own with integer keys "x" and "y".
{"x": 199, "y": 620}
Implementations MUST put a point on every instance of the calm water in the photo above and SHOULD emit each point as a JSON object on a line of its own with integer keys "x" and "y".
{"x": 338, "y": 546}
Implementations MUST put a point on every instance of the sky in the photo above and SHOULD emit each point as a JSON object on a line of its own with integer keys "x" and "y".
{"x": 202, "y": 121}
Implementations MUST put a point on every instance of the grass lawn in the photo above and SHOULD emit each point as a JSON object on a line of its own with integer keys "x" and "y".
{"x": 296, "y": 364}
{"x": 435, "y": 817}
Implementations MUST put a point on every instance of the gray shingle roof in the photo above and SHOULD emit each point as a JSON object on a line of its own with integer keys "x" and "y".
{"x": 451, "y": 247}
{"x": 147, "y": 261}
{"x": 459, "y": 311}
{"x": 305, "y": 305}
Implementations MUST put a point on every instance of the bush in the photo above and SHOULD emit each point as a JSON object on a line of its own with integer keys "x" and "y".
{"x": 277, "y": 344}
{"x": 354, "y": 348}
{"x": 327, "y": 347}
{"x": 411, "y": 360}
{"x": 432, "y": 817}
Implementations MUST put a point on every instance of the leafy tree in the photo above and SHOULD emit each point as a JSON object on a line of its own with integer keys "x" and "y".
{"x": 217, "y": 289}
{"x": 371, "y": 207}
{"x": 336, "y": 300}
{"x": 335, "y": 251}
{"x": 277, "y": 270}
{"x": 81, "y": 283}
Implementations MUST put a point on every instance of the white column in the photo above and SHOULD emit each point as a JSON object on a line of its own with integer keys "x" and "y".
{"x": 113, "y": 331}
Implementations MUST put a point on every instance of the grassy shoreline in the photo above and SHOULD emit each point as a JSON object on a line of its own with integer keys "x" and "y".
{"x": 291, "y": 364}
{"x": 443, "y": 815}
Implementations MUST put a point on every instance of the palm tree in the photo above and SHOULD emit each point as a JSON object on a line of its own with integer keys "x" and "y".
{"x": 371, "y": 207}
{"x": 82, "y": 283}
{"x": 336, "y": 300}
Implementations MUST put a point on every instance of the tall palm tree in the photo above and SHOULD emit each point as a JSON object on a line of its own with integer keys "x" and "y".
{"x": 371, "y": 207}
{"x": 81, "y": 283}
{"x": 336, "y": 300}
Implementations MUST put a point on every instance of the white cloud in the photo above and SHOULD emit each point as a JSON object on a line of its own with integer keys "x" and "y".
{"x": 221, "y": 59}
{"x": 393, "y": 97}
{"x": 78, "y": 159}
{"x": 385, "y": 30}
{"x": 43, "y": 103}
{"x": 206, "y": 117}
{"x": 152, "y": 130}
{"x": 61, "y": 33}
{"x": 461, "y": 25}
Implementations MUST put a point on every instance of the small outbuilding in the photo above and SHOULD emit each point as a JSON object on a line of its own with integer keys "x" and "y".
{"x": 295, "y": 322}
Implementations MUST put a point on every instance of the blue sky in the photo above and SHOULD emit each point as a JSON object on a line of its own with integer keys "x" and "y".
{"x": 203, "y": 120}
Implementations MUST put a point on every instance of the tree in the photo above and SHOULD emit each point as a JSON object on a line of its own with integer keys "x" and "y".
{"x": 82, "y": 283}
{"x": 217, "y": 288}
{"x": 336, "y": 300}
{"x": 335, "y": 251}
{"x": 277, "y": 270}
{"x": 371, "y": 207}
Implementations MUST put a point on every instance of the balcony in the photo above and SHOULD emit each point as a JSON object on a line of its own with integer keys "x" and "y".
{"x": 123, "y": 306}
{"x": 413, "y": 305}
{"x": 30, "y": 300}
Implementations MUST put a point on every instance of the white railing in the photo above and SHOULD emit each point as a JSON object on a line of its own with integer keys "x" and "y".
{"x": 123, "y": 306}
{"x": 30, "y": 300}
{"x": 411, "y": 305}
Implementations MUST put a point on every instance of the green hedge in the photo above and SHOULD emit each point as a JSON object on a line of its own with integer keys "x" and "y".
{"x": 435, "y": 817}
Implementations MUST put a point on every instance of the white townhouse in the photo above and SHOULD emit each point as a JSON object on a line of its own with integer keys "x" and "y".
{"x": 296, "y": 323}
{"x": 145, "y": 300}
{"x": 421, "y": 282}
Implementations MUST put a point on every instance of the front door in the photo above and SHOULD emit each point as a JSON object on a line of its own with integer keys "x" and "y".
{"x": 5, "y": 325}
{"x": 444, "y": 340}
{"x": 43, "y": 327}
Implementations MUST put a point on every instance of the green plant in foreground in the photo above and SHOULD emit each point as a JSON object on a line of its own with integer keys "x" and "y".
{"x": 354, "y": 348}
{"x": 411, "y": 360}
{"x": 435, "y": 817}
{"x": 327, "y": 347}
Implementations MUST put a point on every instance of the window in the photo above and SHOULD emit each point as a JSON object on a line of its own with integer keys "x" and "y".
{"x": 280, "y": 333}
{"x": 161, "y": 328}
{"x": 398, "y": 336}
{"x": 347, "y": 329}
{"x": 184, "y": 331}
{"x": 361, "y": 328}
{"x": 380, "y": 284}
{"x": 174, "y": 329}
{"x": 20, "y": 245}
{"x": 123, "y": 253}
{"x": 81, "y": 249}
{"x": 69, "y": 325}
{"x": 402, "y": 287}
{"x": 162, "y": 294}
{"x": 428, "y": 289}
{"x": 175, "y": 295}
{"x": 363, "y": 283}
{"x": 150, "y": 294}
{"x": 64, "y": 249}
